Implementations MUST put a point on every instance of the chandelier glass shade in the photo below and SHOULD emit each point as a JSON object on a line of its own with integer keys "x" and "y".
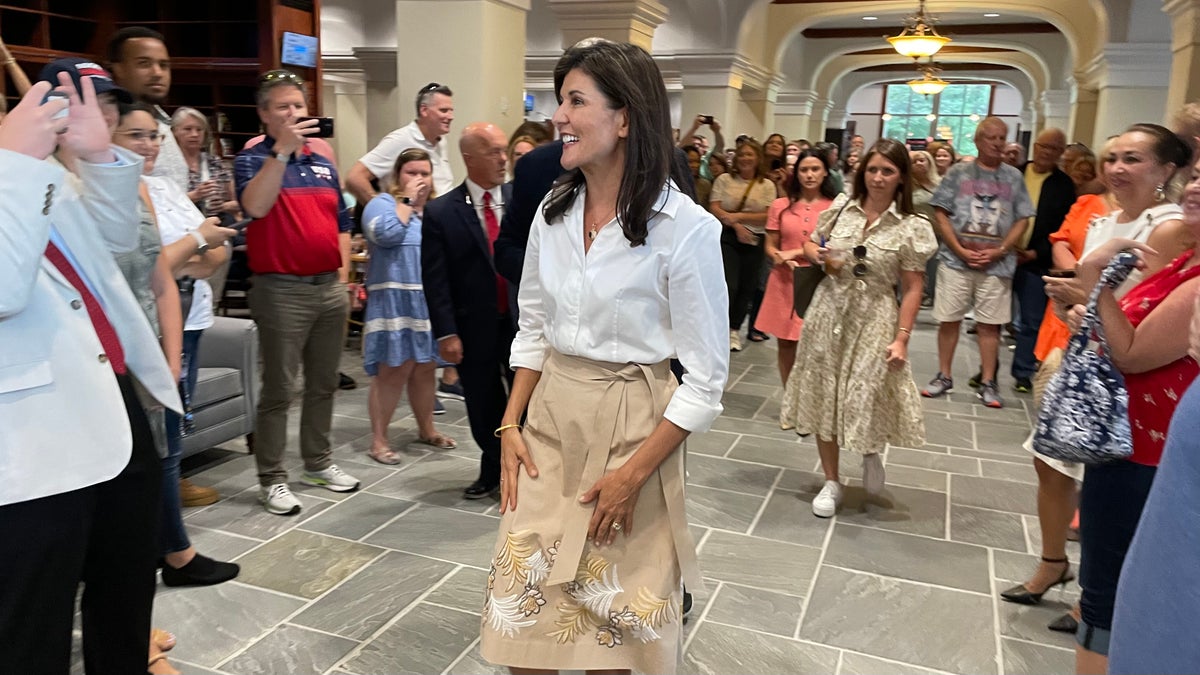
{"x": 928, "y": 84}
{"x": 919, "y": 39}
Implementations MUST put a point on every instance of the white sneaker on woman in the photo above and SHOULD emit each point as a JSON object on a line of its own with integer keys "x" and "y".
{"x": 735, "y": 341}
{"x": 873, "y": 474}
{"x": 827, "y": 500}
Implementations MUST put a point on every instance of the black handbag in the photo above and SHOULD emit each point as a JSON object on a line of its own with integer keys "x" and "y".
{"x": 806, "y": 279}
{"x": 187, "y": 286}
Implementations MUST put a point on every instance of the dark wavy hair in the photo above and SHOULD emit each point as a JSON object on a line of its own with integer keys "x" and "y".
{"x": 629, "y": 79}
{"x": 828, "y": 188}
{"x": 896, "y": 153}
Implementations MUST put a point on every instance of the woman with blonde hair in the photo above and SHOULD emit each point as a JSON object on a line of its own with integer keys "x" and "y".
{"x": 399, "y": 351}
{"x": 518, "y": 147}
{"x": 925, "y": 179}
{"x": 210, "y": 182}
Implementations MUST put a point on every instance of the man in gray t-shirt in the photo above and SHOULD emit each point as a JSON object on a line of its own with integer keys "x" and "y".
{"x": 983, "y": 209}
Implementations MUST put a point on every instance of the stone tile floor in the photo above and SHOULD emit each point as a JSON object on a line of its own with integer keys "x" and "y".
{"x": 389, "y": 579}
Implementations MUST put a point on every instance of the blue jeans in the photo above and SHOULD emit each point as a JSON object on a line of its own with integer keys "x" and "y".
{"x": 1030, "y": 293}
{"x": 174, "y": 536}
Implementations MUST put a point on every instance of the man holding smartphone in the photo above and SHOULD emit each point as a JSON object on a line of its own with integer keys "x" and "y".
{"x": 298, "y": 248}
{"x": 691, "y": 138}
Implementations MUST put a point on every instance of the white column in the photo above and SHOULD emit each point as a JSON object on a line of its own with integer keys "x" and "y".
{"x": 466, "y": 45}
{"x": 618, "y": 20}
{"x": 1132, "y": 87}
{"x": 1185, "y": 53}
{"x": 1082, "y": 124}
{"x": 793, "y": 113}
{"x": 1055, "y": 108}
{"x": 710, "y": 87}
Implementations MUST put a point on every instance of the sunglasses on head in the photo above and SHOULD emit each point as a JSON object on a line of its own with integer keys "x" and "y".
{"x": 432, "y": 86}
{"x": 860, "y": 256}
{"x": 280, "y": 76}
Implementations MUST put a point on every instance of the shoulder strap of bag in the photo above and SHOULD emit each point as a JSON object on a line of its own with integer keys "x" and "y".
{"x": 1117, "y": 271}
{"x": 833, "y": 221}
{"x": 746, "y": 194}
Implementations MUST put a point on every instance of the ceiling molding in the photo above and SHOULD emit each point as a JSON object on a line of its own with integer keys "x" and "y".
{"x": 946, "y": 67}
{"x": 948, "y": 30}
{"x": 948, "y": 49}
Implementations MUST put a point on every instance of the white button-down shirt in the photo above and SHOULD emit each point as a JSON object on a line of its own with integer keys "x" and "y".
{"x": 178, "y": 217}
{"x": 476, "y": 194}
{"x": 624, "y": 304}
{"x": 382, "y": 159}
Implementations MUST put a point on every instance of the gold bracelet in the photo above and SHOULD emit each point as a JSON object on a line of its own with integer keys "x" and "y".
{"x": 498, "y": 432}
{"x": 904, "y": 330}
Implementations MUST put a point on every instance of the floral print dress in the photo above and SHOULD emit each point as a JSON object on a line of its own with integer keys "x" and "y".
{"x": 841, "y": 387}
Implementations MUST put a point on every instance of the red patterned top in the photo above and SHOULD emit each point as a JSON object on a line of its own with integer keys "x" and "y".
{"x": 1154, "y": 394}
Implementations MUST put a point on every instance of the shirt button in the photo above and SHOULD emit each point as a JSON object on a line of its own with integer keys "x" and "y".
{"x": 45, "y": 210}
{"x": 103, "y": 358}
{"x": 76, "y": 304}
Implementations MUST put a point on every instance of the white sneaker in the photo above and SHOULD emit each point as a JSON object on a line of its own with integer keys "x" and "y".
{"x": 735, "y": 341}
{"x": 332, "y": 478}
{"x": 873, "y": 474}
{"x": 827, "y": 500}
{"x": 279, "y": 500}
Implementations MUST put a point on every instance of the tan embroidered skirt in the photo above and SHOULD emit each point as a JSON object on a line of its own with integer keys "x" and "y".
{"x": 554, "y": 600}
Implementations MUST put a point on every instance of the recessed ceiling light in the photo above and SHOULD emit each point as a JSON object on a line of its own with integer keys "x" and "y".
{"x": 870, "y": 18}
{"x": 991, "y": 15}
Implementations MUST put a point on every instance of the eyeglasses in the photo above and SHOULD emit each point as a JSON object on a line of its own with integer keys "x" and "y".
{"x": 141, "y": 136}
{"x": 860, "y": 256}
{"x": 1046, "y": 146}
{"x": 280, "y": 76}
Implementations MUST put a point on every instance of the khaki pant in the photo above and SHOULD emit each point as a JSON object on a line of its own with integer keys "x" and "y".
{"x": 298, "y": 323}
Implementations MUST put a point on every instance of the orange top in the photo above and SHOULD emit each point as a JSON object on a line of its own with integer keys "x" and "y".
{"x": 1054, "y": 333}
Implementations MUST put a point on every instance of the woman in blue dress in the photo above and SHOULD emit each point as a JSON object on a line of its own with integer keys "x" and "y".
{"x": 398, "y": 347}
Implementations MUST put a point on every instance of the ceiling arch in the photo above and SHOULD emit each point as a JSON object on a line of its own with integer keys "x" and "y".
{"x": 853, "y": 82}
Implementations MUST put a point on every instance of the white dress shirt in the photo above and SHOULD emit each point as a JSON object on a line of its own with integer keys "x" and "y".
{"x": 624, "y": 304}
{"x": 476, "y": 194}
{"x": 177, "y": 216}
{"x": 381, "y": 160}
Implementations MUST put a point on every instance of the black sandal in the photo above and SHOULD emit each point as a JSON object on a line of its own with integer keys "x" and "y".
{"x": 1021, "y": 594}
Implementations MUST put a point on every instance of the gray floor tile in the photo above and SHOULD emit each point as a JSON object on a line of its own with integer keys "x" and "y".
{"x": 243, "y": 514}
{"x": 807, "y": 481}
{"x": 1000, "y": 437}
{"x": 437, "y": 479}
{"x": 728, "y": 474}
{"x": 357, "y": 516}
{"x": 1009, "y": 471}
{"x": 925, "y": 479}
{"x": 938, "y": 628}
{"x": 472, "y": 663}
{"x": 987, "y": 528}
{"x": 1021, "y": 458}
{"x": 756, "y": 609}
{"x": 760, "y": 563}
{"x": 214, "y": 622}
{"x": 191, "y": 668}
{"x": 770, "y": 392}
{"x": 991, "y": 493}
{"x": 1028, "y": 622}
{"x": 933, "y": 460}
{"x": 768, "y": 375}
{"x": 720, "y": 509}
{"x": 377, "y": 593}
{"x": 760, "y": 429}
{"x": 1023, "y": 658}
{"x": 741, "y": 406}
{"x": 945, "y": 431}
{"x": 219, "y": 545}
{"x": 442, "y": 634}
{"x": 292, "y": 650}
{"x": 462, "y": 590}
{"x": 861, "y": 664}
{"x": 724, "y": 649}
{"x": 907, "y": 557}
{"x": 710, "y": 443}
{"x": 790, "y": 454}
{"x": 1035, "y": 540}
{"x": 898, "y": 508}
{"x": 788, "y": 517}
{"x": 304, "y": 563}
{"x": 424, "y": 531}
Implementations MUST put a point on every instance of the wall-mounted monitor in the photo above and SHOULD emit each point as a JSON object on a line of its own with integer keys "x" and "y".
{"x": 299, "y": 50}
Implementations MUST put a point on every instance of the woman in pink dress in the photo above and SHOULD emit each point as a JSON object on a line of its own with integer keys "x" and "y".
{"x": 790, "y": 221}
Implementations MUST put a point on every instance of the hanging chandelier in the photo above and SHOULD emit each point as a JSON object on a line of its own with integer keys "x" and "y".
{"x": 929, "y": 83}
{"x": 919, "y": 38}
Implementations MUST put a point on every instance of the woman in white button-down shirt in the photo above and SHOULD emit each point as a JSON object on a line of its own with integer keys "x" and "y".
{"x": 622, "y": 273}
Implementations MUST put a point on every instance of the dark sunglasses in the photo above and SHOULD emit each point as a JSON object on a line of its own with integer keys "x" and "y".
{"x": 860, "y": 256}
{"x": 432, "y": 86}
{"x": 280, "y": 76}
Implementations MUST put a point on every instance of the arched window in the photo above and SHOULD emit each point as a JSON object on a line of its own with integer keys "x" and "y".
{"x": 951, "y": 115}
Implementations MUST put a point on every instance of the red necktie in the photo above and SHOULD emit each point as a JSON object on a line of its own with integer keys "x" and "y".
{"x": 104, "y": 330}
{"x": 493, "y": 230}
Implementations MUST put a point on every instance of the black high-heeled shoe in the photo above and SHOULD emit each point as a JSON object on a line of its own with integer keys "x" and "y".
{"x": 1021, "y": 594}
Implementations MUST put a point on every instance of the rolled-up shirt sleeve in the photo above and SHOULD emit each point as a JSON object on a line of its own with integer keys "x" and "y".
{"x": 699, "y": 309}
{"x": 529, "y": 348}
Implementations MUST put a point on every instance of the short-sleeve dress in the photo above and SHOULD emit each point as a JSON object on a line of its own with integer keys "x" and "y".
{"x": 841, "y": 386}
{"x": 397, "y": 327}
{"x": 795, "y": 223}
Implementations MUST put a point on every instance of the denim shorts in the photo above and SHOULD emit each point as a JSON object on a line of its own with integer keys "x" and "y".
{"x": 1110, "y": 505}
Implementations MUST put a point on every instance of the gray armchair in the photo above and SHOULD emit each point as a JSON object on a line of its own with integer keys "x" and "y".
{"x": 226, "y": 395}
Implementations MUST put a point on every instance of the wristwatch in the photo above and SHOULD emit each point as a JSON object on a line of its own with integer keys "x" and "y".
{"x": 283, "y": 156}
{"x": 201, "y": 242}
{"x": 406, "y": 199}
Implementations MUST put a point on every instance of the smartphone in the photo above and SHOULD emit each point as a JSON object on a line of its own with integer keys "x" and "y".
{"x": 324, "y": 126}
{"x": 706, "y": 119}
{"x": 53, "y": 94}
{"x": 1061, "y": 274}
{"x": 776, "y": 164}
{"x": 241, "y": 224}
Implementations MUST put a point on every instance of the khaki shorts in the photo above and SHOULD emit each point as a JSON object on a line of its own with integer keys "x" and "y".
{"x": 959, "y": 290}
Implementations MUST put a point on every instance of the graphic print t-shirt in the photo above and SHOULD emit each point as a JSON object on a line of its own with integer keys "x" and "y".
{"x": 983, "y": 205}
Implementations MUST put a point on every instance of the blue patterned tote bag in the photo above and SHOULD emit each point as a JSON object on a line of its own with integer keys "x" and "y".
{"x": 1085, "y": 409}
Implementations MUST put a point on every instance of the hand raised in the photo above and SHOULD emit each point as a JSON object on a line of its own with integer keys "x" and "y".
{"x": 30, "y": 128}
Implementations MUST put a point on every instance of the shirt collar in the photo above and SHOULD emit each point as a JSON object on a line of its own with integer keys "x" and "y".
{"x": 476, "y": 194}
{"x": 892, "y": 209}
{"x": 669, "y": 199}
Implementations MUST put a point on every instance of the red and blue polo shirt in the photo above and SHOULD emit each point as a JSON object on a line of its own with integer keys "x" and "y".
{"x": 299, "y": 235}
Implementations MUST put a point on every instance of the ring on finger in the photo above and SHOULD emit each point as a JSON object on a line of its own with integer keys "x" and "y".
{"x": 616, "y": 526}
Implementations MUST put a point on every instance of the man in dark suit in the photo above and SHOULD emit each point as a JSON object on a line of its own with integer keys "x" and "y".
{"x": 468, "y": 302}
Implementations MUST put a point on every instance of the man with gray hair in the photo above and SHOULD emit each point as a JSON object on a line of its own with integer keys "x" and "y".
{"x": 983, "y": 209}
{"x": 435, "y": 112}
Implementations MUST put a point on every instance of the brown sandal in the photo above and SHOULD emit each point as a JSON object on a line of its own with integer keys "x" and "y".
{"x": 384, "y": 456}
{"x": 439, "y": 441}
